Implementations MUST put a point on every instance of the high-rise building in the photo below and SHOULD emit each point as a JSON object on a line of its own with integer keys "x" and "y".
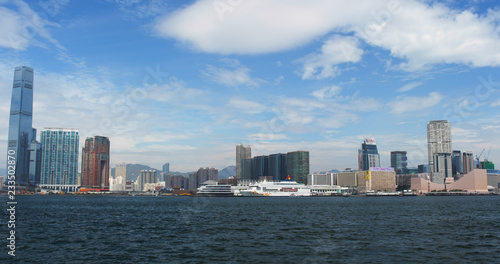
{"x": 95, "y": 163}
{"x": 399, "y": 162}
{"x": 145, "y": 176}
{"x": 442, "y": 167}
{"x": 202, "y": 175}
{"x": 369, "y": 153}
{"x": 166, "y": 168}
{"x": 297, "y": 165}
{"x": 247, "y": 168}
{"x": 456, "y": 163}
{"x": 467, "y": 162}
{"x": 121, "y": 170}
{"x": 59, "y": 166}
{"x": 277, "y": 166}
{"x": 438, "y": 140}
{"x": 21, "y": 132}
{"x": 242, "y": 152}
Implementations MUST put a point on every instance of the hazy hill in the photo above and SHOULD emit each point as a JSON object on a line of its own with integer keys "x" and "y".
{"x": 227, "y": 172}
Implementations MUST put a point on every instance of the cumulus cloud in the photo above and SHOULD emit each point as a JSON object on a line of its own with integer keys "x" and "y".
{"x": 338, "y": 49}
{"x": 420, "y": 33}
{"x": 404, "y": 104}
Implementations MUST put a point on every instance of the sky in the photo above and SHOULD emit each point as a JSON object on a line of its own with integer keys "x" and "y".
{"x": 184, "y": 82}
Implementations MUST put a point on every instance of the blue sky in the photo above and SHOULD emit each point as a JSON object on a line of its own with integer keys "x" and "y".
{"x": 186, "y": 81}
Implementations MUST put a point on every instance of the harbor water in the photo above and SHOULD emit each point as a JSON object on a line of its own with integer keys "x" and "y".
{"x": 148, "y": 229}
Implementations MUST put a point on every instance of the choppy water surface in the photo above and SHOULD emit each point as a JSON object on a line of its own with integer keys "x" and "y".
{"x": 116, "y": 229}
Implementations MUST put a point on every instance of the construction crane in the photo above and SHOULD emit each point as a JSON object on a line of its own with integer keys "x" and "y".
{"x": 487, "y": 156}
{"x": 478, "y": 157}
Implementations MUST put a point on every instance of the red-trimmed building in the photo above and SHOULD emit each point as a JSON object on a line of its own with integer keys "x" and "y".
{"x": 95, "y": 163}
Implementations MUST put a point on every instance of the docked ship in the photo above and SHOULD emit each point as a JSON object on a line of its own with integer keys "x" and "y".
{"x": 282, "y": 188}
{"x": 215, "y": 190}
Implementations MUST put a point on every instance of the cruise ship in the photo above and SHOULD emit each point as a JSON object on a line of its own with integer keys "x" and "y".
{"x": 215, "y": 190}
{"x": 282, "y": 188}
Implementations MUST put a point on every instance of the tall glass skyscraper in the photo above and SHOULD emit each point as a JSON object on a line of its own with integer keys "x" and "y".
{"x": 21, "y": 132}
{"x": 369, "y": 154}
{"x": 399, "y": 162}
{"x": 59, "y": 169}
{"x": 297, "y": 165}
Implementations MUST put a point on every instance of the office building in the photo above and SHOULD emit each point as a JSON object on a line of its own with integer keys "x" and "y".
{"x": 202, "y": 175}
{"x": 246, "y": 169}
{"x": 442, "y": 167}
{"x": 438, "y": 140}
{"x": 121, "y": 170}
{"x": 369, "y": 154}
{"x": 242, "y": 152}
{"x": 456, "y": 163}
{"x": 166, "y": 168}
{"x": 95, "y": 163}
{"x": 467, "y": 162}
{"x": 145, "y": 177}
{"x": 21, "y": 133}
{"x": 59, "y": 165}
{"x": 277, "y": 166}
{"x": 297, "y": 165}
{"x": 399, "y": 162}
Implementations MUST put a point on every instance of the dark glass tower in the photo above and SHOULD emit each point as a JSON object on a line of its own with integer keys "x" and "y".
{"x": 370, "y": 156}
{"x": 21, "y": 132}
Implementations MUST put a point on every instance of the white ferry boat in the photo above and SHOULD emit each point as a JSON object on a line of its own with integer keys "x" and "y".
{"x": 215, "y": 190}
{"x": 282, "y": 188}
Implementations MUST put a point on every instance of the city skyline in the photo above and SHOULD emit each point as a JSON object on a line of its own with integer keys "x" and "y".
{"x": 163, "y": 91}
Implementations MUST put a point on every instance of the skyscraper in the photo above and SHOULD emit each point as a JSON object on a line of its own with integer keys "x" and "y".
{"x": 297, "y": 165}
{"x": 21, "y": 132}
{"x": 59, "y": 166}
{"x": 399, "y": 161}
{"x": 121, "y": 170}
{"x": 242, "y": 152}
{"x": 467, "y": 162}
{"x": 95, "y": 163}
{"x": 369, "y": 154}
{"x": 438, "y": 140}
{"x": 456, "y": 162}
{"x": 166, "y": 168}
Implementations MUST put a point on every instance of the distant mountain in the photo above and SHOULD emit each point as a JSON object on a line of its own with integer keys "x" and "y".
{"x": 133, "y": 171}
{"x": 227, "y": 172}
{"x": 334, "y": 171}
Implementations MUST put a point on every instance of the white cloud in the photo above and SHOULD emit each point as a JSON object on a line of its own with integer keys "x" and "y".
{"x": 404, "y": 104}
{"x": 327, "y": 92}
{"x": 243, "y": 105}
{"x": 409, "y": 86}
{"x": 173, "y": 92}
{"x": 422, "y": 34}
{"x": 24, "y": 27}
{"x": 338, "y": 49}
{"x": 234, "y": 76}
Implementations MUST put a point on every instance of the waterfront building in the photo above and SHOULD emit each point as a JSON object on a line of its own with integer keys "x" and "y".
{"x": 475, "y": 181}
{"x": 456, "y": 163}
{"x": 369, "y": 154}
{"x": 297, "y": 165}
{"x": 277, "y": 166}
{"x": 145, "y": 177}
{"x": 260, "y": 166}
{"x": 442, "y": 167}
{"x": 59, "y": 159}
{"x": 95, "y": 163}
{"x": 438, "y": 141}
{"x": 202, "y": 175}
{"x": 329, "y": 179}
{"x": 121, "y": 170}
{"x": 247, "y": 169}
{"x": 467, "y": 162}
{"x": 399, "y": 162}
{"x": 21, "y": 133}
{"x": 35, "y": 165}
{"x": 242, "y": 153}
